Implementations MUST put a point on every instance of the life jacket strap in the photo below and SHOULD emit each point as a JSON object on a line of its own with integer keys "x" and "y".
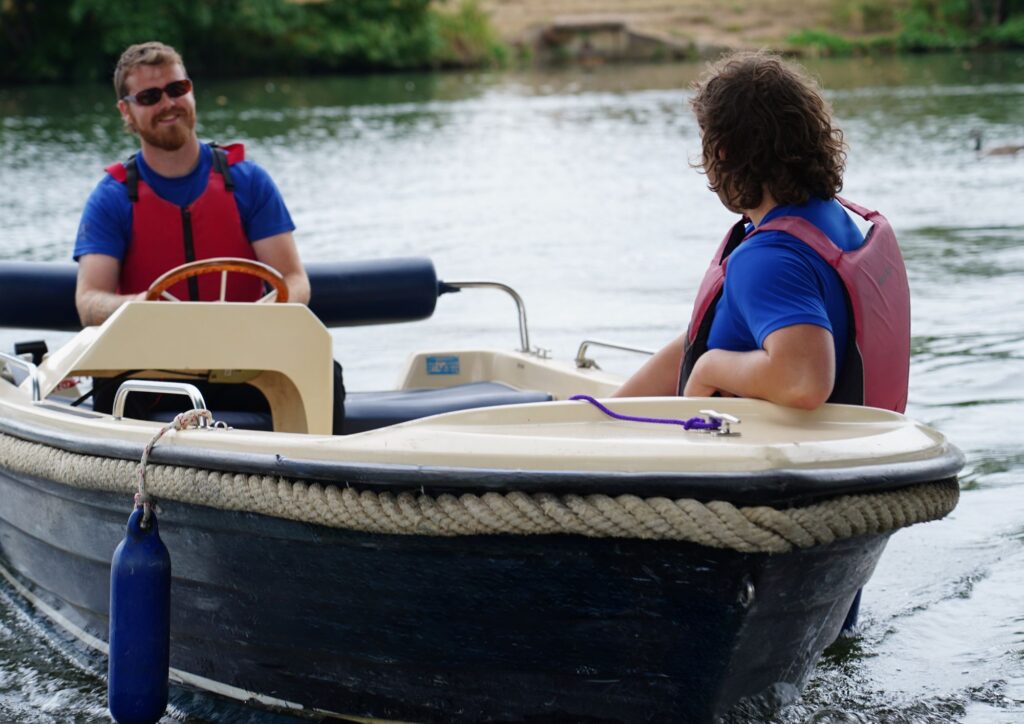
{"x": 131, "y": 182}
{"x": 221, "y": 166}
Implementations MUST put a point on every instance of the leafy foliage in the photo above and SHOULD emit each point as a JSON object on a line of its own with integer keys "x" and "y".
{"x": 1010, "y": 34}
{"x": 917, "y": 25}
{"x": 961, "y": 24}
{"x": 865, "y": 16}
{"x": 936, "y": 25}
{"x": 822, "y": 42}
{"x": 82, "y": 39}
{"x": 468, "y": 37}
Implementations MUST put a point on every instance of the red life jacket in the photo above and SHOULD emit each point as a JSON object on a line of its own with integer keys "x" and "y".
{"x": 165, "y": 235}
{"x": 876, "y": 370}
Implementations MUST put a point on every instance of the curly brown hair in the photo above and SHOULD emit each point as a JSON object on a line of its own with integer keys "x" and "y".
{"x": 765, "y": 127}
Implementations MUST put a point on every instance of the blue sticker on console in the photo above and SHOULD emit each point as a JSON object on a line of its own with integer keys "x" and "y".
{"x": 442, "y": 365}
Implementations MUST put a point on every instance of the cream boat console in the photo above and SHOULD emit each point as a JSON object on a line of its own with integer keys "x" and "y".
{"x": 282, "y": 349}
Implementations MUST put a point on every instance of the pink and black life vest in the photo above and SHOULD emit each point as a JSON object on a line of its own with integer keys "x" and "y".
{"x": 876, "y": 369}
{"x": 165, "y": 235}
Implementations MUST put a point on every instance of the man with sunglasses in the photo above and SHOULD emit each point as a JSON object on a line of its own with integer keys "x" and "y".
{"x": 178, "y": 200}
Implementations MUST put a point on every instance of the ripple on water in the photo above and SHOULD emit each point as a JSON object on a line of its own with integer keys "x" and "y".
{"x": 38, "y": 683}
{"x": 942, "y": 636}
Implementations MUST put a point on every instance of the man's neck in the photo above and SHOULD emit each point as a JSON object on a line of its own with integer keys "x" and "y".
{"x": 768, "y": 203}
{"x": 172, "y": 164}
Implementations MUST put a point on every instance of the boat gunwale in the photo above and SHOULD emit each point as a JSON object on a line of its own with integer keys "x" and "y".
{"x": 778, "y": 488}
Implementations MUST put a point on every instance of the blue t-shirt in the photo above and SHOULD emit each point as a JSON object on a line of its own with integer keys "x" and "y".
{"x": 774, "y": 280}
{"x": 106, "y": 225}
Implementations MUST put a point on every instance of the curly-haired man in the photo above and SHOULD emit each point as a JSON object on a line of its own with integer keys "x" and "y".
{"x": 798, "y": 307}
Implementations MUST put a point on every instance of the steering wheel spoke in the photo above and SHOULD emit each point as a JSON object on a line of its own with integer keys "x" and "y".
{"x": 223, "y": 266}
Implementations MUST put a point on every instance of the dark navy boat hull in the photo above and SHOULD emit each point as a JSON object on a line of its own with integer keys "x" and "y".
{"x": 486, "y": 628}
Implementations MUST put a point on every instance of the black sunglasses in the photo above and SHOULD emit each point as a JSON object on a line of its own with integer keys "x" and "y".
{"x": 152, "y": 96}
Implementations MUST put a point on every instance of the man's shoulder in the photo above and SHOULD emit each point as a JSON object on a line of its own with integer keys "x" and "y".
{"x": 106, "y": 221}
{"x": 768, "y": 244}
{"x": 254, "y": 186}
{"x": 108, "y": 191}
{"x": 247, "y": 165}
{"x": 260, "y": 202}
{"x": 771, "y": 255}
{"x": 830, "y": 217}
{"x": 249, "y": 173}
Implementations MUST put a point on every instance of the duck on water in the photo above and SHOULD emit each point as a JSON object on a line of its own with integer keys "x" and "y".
{"x": 1010, "y": 149}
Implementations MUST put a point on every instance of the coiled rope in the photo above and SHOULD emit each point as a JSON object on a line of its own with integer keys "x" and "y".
{"x": 719, "y": 524}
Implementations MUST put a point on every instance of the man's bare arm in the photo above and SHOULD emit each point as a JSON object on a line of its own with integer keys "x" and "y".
{"x": 280, "y": 252}
{"x": 96, "y": 296}
{"x": 797, "y": 368}
{"x": 659, "y": 375}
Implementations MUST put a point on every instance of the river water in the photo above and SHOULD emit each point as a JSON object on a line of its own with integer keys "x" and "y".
{"x": 575, "y": 189}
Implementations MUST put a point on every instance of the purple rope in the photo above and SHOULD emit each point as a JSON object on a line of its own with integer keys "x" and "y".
{"x": 694, "y": 423}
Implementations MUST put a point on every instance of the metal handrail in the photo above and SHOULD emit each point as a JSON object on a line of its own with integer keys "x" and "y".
{"x": 584, "y": 362}
{"x": 33, "y": 371}
{"x": 524, "y": 334}
{"x": 157, "y": 387}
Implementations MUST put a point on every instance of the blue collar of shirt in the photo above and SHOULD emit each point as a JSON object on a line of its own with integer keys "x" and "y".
{"x": 810, "y": 210}
{"x": 827, "y": 215}
{"x": 181, "y": 190}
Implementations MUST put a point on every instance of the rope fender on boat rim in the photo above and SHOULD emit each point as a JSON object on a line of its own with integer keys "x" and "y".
{"x": 718, "y": 524}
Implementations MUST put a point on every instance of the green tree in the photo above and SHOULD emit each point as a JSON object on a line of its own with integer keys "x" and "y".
{"x": 954, "y": 24}
{"x": 81, "y": 39}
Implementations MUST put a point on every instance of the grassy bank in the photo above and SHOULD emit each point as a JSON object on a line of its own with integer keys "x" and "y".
{"x": 834, "y": 27}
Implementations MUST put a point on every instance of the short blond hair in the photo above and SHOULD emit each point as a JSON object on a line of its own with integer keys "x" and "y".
{"x": 151, "y": 53}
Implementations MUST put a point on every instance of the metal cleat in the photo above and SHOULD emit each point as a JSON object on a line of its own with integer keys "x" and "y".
{"x": 725, "y": 420}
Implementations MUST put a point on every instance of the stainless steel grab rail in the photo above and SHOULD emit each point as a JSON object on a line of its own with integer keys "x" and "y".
{"x": 524, "y": 334}
{"x": 584, "y": 362}
{"x": 31, "y": 369}
{"x": 158, "y": 387}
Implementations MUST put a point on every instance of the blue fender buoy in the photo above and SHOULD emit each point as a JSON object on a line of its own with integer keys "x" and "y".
{"x": 140, "y": 624}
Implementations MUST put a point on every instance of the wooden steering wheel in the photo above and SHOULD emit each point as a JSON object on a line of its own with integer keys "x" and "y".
{"x": 222, "y": 265}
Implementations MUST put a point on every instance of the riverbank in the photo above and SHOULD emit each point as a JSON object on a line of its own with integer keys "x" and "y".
{"x": 73, "y": 41}
{"x": 558, "y": 30}
{"x": 703, "y": 25}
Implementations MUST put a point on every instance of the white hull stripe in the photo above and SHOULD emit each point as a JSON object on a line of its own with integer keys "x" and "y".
{"x": 176, "y": 675}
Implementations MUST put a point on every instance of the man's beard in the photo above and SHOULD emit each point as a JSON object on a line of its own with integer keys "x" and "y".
{"x": 169, "y": 138}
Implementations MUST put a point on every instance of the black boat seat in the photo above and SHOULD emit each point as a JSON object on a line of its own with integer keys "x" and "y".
{"x": 372, "y": 410}
{"x": 237, "y": 419}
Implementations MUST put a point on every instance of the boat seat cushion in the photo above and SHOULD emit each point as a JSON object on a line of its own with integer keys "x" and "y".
{"x": 371, "y": 410}
{"x": 237, "y": 419}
